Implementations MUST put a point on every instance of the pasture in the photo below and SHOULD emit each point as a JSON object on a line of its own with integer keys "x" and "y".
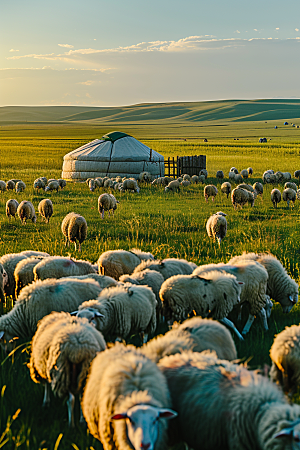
{"x": 168, "y": 225}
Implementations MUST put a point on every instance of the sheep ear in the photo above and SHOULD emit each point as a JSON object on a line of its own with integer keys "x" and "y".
{"x": 167, "y": 414}
{"x": 119, "y": 416}
{"x": 1, "y": 334}
{"x": 74, "y": 313}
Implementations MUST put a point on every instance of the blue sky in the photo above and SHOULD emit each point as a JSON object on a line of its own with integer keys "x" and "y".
{"x": 110, "y": 53}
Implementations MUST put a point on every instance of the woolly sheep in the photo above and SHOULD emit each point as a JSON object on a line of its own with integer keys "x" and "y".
{"x": 195, "y": 179}
{"x": 186, "y": 176}
{"x": 38, "y": 184}
{"x": 62, "y": 183}
{"x": 26, "y": 211}
{"x": 2, "y": 186}
{"x": 185, "y": 183}
{"x": 124, "y": 384}
{"x": 121, "y": 311}
{"x": 74, "y": 228}
{"x": 107, "y": 202}
{"x": 11, "y": 208}
{"x": 223, "y": 405}
{"x": 130, "y": 185}
{"x": 99, "y": 182}
{"x": 39, "y": 299}
{"x": 23, "y": 273}
{"x": 108, "y": 183}
{"x": 216, "y": 226}
{"x": 44, "y": 180}
{"x": 234, "y": 170}
{"x": 203, "y": 172}
{"x": 168, "y": 267}
{"x": 298, "y": 194}
{"x": 91, "y": 184}
{"x": 60, "y": 266}
{"x": 145, "y": 177}
{"x": 45, "y": 209}
{"x": 160, "y": 181}
{"x": 115, "y": 263}
{"x": 20, "y": 186}
{"x": 244, "y": 173}
{"x": 240, "y": 197}
{"x": 279, "y": 176}
{"x": 210, "y": 190}
{"x": 287, "y": 176}
{"x": 226, "y": 188}
{"x": 290, "y": 185}
{"x": 3, "y": 282}
{"x": 259, "y": 188}
{"x": 275, "y": 197}
{"x": 52, "y": 186}
{"x": 102, "y": 280}
{"x": 238, "y": 178}
{"x": 220, "y": 174}
{"x": 173, "y": 186}
{"x": 289, "y": 195}
{"x": 147, "y": 277}
{"x": 250, "y": 171}
{"x": 297, "y": 174}
{"x": 247, "y": 187}
{"x": 194, "y": 334}
{"x": 280, "y": 287}
{"x": 10, "y": 185}
{"x": 62, "y": 350}
{"x": 202, "y": 179}
{"x": 231, "y": 176}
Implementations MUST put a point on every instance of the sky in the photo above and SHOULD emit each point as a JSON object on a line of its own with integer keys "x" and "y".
{"x": 124, "y": 52}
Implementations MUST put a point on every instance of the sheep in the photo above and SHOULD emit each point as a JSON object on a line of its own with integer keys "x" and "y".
{"x": 44, "y": 180}
{"x": 186, "y": 176}
{"x": 2, "y": 186}
{"x": 102, "y": 280}
{"x": 290, "y": 185}
{"x": 74, "y": 228}
{"x": 275, "y": 197}
{"x": 168, "y": 267}
{"x": 62, "y": 350}
{"x": 240, "y": 197}
{"x": 26, "y": 211}
{"x": 194, "y": 334}
{"x": 216, "y": 226}
{"x": 60, "y": 266}
{"x": 226, "y": 188}
{"x": 222, "y": 405}
{"x": 41, "y": 298}
{"x": 210, "y": 190}
{"x": 231, "y": 176}
{"x": 45, "y": 209}
{"x": 195, "y": 179}
{"x": 10, "y": 185}
{"x": 52, "y": 185}
{"x": 147, "y": 277}
{"x": 185, "y": 183}
{"x": 124, "y": 384}
{"x": 287, "y": 176}
{"x": 247, "y": 187}
{"x": 20, "y": 186}
{"x": 234, "y": 170}
{"x": 220, "y": 174}
{"x": 3, "y": 282}
{"x": 107, "y": 202}
{"x": 173, "y": 186}
{"x": 99, "y": 182}
{"x": 202, "y": 179}
{"x": 250, "y": 171}
{"x": 298, "y": 194}
{"x": 108, "y": 184}
{"x": 289, "y": 195}
{"x": 238, "y": 178}
{"x": 130, "y": 185}
{"x": 62, "y": 183}
{"x": 39, "y": 184}
{"x": 121, "y": 311}
{"x": 160, "y": 181}
{"x": 91, "y": 184}
{"x": 115, "y": 263}
{"x": 279, "y": 176}
{"x": 244, "y": 173}
{"x": 145, "y": 177}
{"x": 23, "y": 273}
{"x": 280, "y": 287}
{"x": 259, "y": 188}
{"x": 297, "y": 174}
{"x": 11, "y": 208}
{"x": 203, "y": 172}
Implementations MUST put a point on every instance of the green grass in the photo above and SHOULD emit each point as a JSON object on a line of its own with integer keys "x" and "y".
{"x": 170, "y": 225}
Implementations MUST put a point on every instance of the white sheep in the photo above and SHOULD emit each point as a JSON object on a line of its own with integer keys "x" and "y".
{"x": 26, "y": 211}
{"x": 20, "y": 186}
{"x": 11, "y": 208}
{"x": 226, "y": 188}
{"x": 279, "y": 176}
{"x": 244, "y": 173}
{"x": 10, "y": 185}
{"x": 108, "y": 183}
{"x": 287, "y": 176}
{"x": 39, "y": 184}
{"x": 238, "y": 178}
{"x": 216, "y": 226}
{"x": 130, "y": 184}
{"x": 102, "y": 280}
{"x": 107, "y": 202}
{"x": 241, "y": 197}
{"x": 297, "y": 174}
{"x": 99, "y": 182}
{"x": 210, "y": 190}
{"x": 145, "y": 177}
{"x": 173, "y": 186}
{"x": 74, "y": 228}
{"x": 2, "y": 186}
{"x": 168, "y": 267}
{"x": 247, "y": 187}
{"x": 259, "y": 188}
{"x": 115, "y": 263}
{"x": 275, "y": 197}
{"x": 62, "y": 350}
{"x": 23, "y": 272}
{"x": 91, "y": 184}
{"x": 53, "y": 185}
{"x": 126, "y": 401}
{"x": 222, "y": 405}
{"x": 160, "y": 181}
{"x": 289, "y": 195}
{"x": 290, "y": 185}
{"x": 45, "y": 209}
{"x": 62, "y": 183}
{"x": 3, "y": 282}
{"x": 220, "y": 174}
{"x": 280, "y": 287}
{"x": 60, "y": 266}
{"x": 195, "y": 179}
{"x": 231, "y": 176}
{"x": 185, "y": 183}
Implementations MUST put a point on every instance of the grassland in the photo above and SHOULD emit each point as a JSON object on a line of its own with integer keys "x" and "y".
{"x": 166, "y": 225}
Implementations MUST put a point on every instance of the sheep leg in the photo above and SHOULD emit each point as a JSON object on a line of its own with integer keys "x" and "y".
{"x": 102, "y": 214}
{"x": 79, "y": 247}
{"x": 231, "y": 325}
{"x": 81, "y": 418}
{"x": 70, "y": 405}
{"x": 46, "y": 399}
{"x": 144, "y": 337}
{"x": 263, "y": 317}
{"x": 248, "y": 324}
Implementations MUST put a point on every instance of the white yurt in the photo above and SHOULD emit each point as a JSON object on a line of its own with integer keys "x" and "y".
{"x": 115, "y": 154}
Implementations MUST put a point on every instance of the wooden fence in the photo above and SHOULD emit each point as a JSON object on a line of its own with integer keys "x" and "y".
{"x": 174, "y": 167}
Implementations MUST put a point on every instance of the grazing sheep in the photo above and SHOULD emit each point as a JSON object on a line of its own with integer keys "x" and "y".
{"x": 210, "y": 190}
{"x": 244, "y": 173}
{"x": 290, "y": 185}
{"x": 194, "y": 334}
{"x": 39, "y": 184}
{"x": 145, "y": 177}
{"x": 241, "y": 197}
{"x": 23, "y": 273}
{"x": 250, "y": 171}
{"x": 231, "y": 176}
{"x": 202, "y": 179}
{"x": 287, "y": 176}
{"x": 297, "y": 174}
{"x": 10, "y": 185}
{"x": 45, "y": 209}
{"x": 258, "y": 187}
{"x": 26, "y": 211}
{"x": 186, "y": 176}
{"x": 74, "y": 228}
{"x": 115, "y": 263}
{"x": 124, "y": 384}
{"x": 44, "y": 180}
{"x": 11, "y": 208}
{"x": 108, "y": 183}
{"x": 107, "y": 202}
{"x": 3, "y": 282}
{"x": 168, "y": 267}
{"x": 147, "y": 277}
{"x": 91, "y": 184}
{"x": 195, "y": 179}
{"x": 173, "y": 186}
{"x": 238, "y": 178}
{"x": 102, "y": 280}
{"x": 275, "y": 197}
{"x": 226, "y": 188}
{"x": 130, "y": 185}
{"x": 20, "y": 186}
{"x": 220, "y": 174}
{"x": 121, "y": 311}
{"x": 247, "y": 187}
{"x": 60, "y": 266}
{"x": 289, "y": 195}
{"x": 62, "y": 183}
{"x": 280, "y": 287}
{"x": 279, "y": 176}
{"x": 160, "y": 181}
{"x": 52, "y": 185}
{"x": 222, "y": 405}
{"x": 203, "y": 172}
{"x": 2, "y": 186}
{"x": 216, "y": 226}
{"x": 185, "y": 183}
{"x": 62, "y": 350}
{"x": 99, "y": 181}
{"x": 234, "y": 170}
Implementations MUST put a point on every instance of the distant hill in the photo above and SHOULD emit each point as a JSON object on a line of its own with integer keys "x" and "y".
{"x": 151, "y": 113}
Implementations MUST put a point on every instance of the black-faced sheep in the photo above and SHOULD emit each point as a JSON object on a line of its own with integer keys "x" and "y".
{"x": 74, "y": 228}
{"x": 220, "y": 175}
{"x": 115, "y": 263}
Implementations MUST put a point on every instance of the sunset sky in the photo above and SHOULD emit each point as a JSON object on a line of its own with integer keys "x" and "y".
{"x": 121, "y": 52}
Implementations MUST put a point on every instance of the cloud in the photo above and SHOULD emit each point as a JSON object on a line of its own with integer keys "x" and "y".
{"x": 87, "y": 83}
{"x": 237, "y": 31}
{"x": 13, "y": 50}
{"x": 255, "y": 29}
{"x": 296, "y": 29}
{"x": 66, "y": 45}
{"x": 276, "y": 29}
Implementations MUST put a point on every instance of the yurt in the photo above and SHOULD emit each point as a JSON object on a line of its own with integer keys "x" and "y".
{"x": 114, "y": 154}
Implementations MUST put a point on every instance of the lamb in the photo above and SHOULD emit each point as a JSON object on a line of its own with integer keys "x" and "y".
{"x": 240, "y": 197}
{"x": 26, "y": 211}
{"x": 168, "y": 267}
{"x": 45, "y": 209}
{"x": 289, "y": 195}
{"x": 280, "y": 287}
{"x": 173, "y": 186}
{"x": 275, "y": 197}
{"x": 259, "y": 188}
{"x": 290, "y": 185}
{"x": 147, "y": 277}
{"x": 74, "y": 228}
{"x": 216, "y": 226}
{"x": 52, "y": 185}
{"x": 121, "y": 311}
{"x": 220, "y": 174}
{"x": 39, "y": 184}
{"x": 62, "y": 350}
{"x": 226, "y": 188}
{"x": 107, "y": 202}
{"x": 23, "y": 273}
{"x": 11, "y": 208}
{"x": 115, "y": 263}
{"x": 124, "y": 384}
{"x": 194, "y": 334}
{"x": 10, "y": 185}
{"x": 130, "y": 185}
{"x": 2, "y": 186}
{"x": 59, "y": 266}
{"x": 244, "y": 173}
{"x": 145, "y": 177}
{"x": 20, "y": 186}
{"x": 203, "y": 172}
{"x": 250, "y": 171}
{"x": 38, "y": 300}
{"x": 225, "y": 406}
{"x": 210, "y": 190}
